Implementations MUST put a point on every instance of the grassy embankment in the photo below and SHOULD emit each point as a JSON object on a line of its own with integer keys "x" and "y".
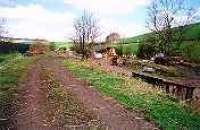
{"x": 137, "y": 95}
{"x": 12, "y": 69}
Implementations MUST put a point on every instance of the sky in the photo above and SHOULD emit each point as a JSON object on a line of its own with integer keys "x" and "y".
{"x": 53, "y": 19}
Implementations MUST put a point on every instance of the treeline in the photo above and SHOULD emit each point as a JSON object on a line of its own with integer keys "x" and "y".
{"x": 8, "y": 47}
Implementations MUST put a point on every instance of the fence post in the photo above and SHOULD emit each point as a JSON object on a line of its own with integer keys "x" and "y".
{"x": 189, "y": 93}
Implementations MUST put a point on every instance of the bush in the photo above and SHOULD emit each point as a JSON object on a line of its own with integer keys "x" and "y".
{"x": 191, "y": 51}
{"x": 75, "y": 48}
{"x": 119, "y": 50}
{"x": 63, "y": 48}
{"x": 52, "y": 46}
{"x": 147, "y": 50}
{"x": 38, "y": 48}
{"x": 188, "y": 50}
{"x": 87, "y": 51}
{"x": 8, "y": 47}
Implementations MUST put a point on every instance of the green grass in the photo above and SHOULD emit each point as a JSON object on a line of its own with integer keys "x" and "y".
{"x": 137, "y": 95}
{"x": 192, "y": 33}
{"x": 191, "y": 51}
{"x": 136, "y": 39}
{"x": 12, "y": 68}
{"x": 6, "y": 57}
{"x": 126, "y": 49}
{"x": 190, "y": 48}
{"x": 61, "y": 45}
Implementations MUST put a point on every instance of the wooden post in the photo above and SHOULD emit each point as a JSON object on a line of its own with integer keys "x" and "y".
{"x": 173, "y": 90}
{"x": 189, "y": 93}
{"x": 4, "y": 123}
{"x": 167, "y": 88}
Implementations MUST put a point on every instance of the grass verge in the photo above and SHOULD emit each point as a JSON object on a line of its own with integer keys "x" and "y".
{"x": 12, "y": 69}
{"x": 137, "y": 95}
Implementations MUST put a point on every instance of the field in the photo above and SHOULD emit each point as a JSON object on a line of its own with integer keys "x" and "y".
{"x": 126, "y": 49}
{"x": 61, "y": 45}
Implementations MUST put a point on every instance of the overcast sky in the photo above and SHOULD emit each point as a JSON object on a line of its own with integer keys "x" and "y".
{"x": 53, "y": 19}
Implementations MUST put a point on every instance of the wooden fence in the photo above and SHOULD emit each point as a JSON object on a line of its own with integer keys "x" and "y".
{"x": 178, "y": 89}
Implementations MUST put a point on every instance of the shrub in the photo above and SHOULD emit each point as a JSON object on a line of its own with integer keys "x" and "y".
{"x": 63, "y": 48}
{"x": 8, "y": 47}
{"x": 87, "y": 50}
{"x": 191, "y": 51}
{"x": 38, "y": 48}
{"x": 119, "y": 50}
{"x": 75, "y": 48}
{"x": 52, "y": 46}
{"x": 147, "y": 50}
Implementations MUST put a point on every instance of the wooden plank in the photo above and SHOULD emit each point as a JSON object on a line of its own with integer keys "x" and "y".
{"x": 158, "y": 80}
{"x": 189, "y": 93}
{"x": 178, "y": 87}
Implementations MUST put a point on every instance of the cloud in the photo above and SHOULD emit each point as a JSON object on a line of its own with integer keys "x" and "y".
{"x": 34, "y": 21}
{"x": 110, "y": 7}
{"x": 111, "y": 13}
{"x": 123, "y": 28}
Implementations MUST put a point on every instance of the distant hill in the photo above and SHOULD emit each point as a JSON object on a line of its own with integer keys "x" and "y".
{"x": 23, "y": 40}
{"x": 192, "y": 34}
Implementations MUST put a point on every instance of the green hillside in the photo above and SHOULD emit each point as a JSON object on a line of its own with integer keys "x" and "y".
{"x": 189, "y": 48}
{"x": 192, "y": 33}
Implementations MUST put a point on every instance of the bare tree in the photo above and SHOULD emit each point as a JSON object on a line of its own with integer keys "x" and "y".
{"x": 86, "y": 31}
{"x": 3, "y": 20}
{"x": 2, "y": 28}
{"x": 167, "y": 18}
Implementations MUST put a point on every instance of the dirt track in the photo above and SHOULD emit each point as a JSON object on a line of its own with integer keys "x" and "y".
{"x": 33, "y": 99}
